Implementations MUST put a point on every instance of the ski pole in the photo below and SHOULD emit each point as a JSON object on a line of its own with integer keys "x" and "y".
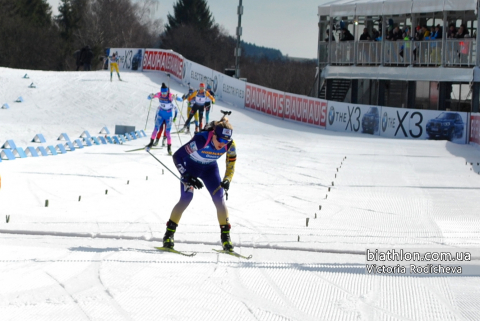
{"x": 148, "y": 114}
{"x": 165, "y": 167}
{"x": 184, "y": 184}
{"x": 226, "y": 192}
{"x": 176, "y": 127}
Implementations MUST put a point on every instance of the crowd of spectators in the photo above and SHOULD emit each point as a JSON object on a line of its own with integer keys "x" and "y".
{"x": 430, "y": 52}
{"x": 394, "y": 33}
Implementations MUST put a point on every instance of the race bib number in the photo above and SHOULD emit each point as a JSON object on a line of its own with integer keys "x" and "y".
{"x": 200, "y": 100}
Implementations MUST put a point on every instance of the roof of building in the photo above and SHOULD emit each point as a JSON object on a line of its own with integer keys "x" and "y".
{"x": 391, "y": 7}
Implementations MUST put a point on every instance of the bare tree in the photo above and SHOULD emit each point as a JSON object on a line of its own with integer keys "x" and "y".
{"x": 112, "y": 23}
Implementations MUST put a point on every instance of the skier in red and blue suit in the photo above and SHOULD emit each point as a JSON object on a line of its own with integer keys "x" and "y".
{"x": 197, "y": 160}
{"x": 164, "y": 114}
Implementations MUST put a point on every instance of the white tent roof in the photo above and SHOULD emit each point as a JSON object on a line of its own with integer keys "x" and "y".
{"x": 383, "y": 7}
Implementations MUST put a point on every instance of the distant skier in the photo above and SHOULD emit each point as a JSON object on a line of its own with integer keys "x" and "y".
{"x": 189, "y": 109}
{"x": 198, "y": 98}
{"x": 164, "y": 114}
{"x": 114, "y": 65}
{"x": 197, "y": 160}
{"x": 164, "y": 125}
{"x": 209, "y": 104}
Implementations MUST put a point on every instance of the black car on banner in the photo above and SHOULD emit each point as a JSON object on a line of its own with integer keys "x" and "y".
{"x": 137, "y": 60}
{"x": 370, "y": 121}
{"x": 447, "y": 125}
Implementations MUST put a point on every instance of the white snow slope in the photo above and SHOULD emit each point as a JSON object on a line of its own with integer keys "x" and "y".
{"x": 94, "y": 258}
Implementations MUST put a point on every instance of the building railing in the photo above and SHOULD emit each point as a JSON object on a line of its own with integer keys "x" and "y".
{"x": 369, "y": 53}
{"x": 429, "y": 53}
{"x": 461, "y": 52}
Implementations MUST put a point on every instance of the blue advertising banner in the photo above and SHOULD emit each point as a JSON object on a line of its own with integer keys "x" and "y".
{"x": 130, "y": 58}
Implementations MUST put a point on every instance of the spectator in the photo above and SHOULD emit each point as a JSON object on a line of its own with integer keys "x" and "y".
{"x": 422, "y": 33}
{"x": 452, "y": 31}
{"x": 425, "y": 32}
{"x": 365, "y": 36}
{"x": 375, "y": 34}
{"x": 462, "y": 32}
{"x": 87, "y": 61}
{"x": 464, "y": 46}
{"x": 331, "y": 38}
{"x": 80, "y": 58}
{"x": 78, "y": 62}
{"x": 406, "y": 44}
{"x": 435, "y": 53}
{"x": 438, "y": 32}
{"x": 397, "y": 35}
{"x": 364, "y": 49}
{"x": 347, "y": 35}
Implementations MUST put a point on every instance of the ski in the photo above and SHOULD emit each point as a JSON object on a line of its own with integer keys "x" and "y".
{"x": 232, "y": 253}
{"x": 166, "y": 249}
{"x": 133, "y": 150}
{"x": 142, "y": 148}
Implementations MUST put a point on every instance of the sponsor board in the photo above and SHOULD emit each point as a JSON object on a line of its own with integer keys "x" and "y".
{"x": 229, "y": 89}
{"x": 130, "y": 58}
{"x": 305, "y": 109}
{"x": 187, "y": 65}
{"x": 353, "y": 118}
{"x": 265, "y": 100}
{"x": 424, "y": 124}
{"x": 197, "y": 74}
{"x": 163, "y": 60}
{"x": 475, "y": 128}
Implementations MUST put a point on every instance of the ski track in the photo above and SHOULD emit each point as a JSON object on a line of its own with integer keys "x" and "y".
{"x": 84, "y": 262}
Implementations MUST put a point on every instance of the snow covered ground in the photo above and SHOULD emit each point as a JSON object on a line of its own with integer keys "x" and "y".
{"x": 89, "y": 255}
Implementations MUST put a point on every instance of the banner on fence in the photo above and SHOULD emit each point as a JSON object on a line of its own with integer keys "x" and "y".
{"x": 265, "y": 100}
{"x": 229, "y": 89}
{"x": 475, "y": 129}
{"x": 305, "y": 109}
{"x": 353, "y": 118}
{"x": 164, "y": 60}
{"x": 424, "y": 124}
{"x": 130, "y": 58}
{"x": 195, "y": 74}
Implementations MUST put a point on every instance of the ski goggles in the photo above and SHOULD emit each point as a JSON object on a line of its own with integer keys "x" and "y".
{"x": 224, "y": 135}
{"x": 164, "y": 91}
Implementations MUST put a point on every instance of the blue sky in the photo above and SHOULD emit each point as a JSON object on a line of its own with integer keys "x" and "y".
{"x": 287, "y": 25}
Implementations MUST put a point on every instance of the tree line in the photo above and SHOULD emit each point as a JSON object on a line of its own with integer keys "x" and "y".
{"x": 32, "y": 38}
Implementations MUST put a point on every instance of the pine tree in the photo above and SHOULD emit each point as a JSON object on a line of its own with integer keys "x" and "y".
{"x": 70, "y": 15}
{"x": 38, "y": 12}
{"x": 194, "y": 13}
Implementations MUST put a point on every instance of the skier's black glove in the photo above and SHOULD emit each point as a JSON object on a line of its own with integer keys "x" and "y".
{"x": 225, "y": 184}
{"x": 192, "y": 181}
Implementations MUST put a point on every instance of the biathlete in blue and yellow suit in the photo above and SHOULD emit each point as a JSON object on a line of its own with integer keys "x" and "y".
{"x": 114, "y": 65}
{"x": 164, "y": 114}
{"x": 197, "y": 160}
{"x": 197, "y": 101}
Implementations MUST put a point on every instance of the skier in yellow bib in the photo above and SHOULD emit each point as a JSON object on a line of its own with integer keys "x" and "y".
{"x": 114, "y": 65}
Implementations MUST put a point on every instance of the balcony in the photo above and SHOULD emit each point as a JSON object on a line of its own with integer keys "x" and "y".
{"x": 457, "y": 53}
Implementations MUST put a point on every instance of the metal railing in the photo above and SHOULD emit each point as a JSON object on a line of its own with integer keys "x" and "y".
{"x": 460, "y": 52}
{"x": 343, "y": 53}
{"x": 429, "y": 53}
{"x": 369, "y": 53}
